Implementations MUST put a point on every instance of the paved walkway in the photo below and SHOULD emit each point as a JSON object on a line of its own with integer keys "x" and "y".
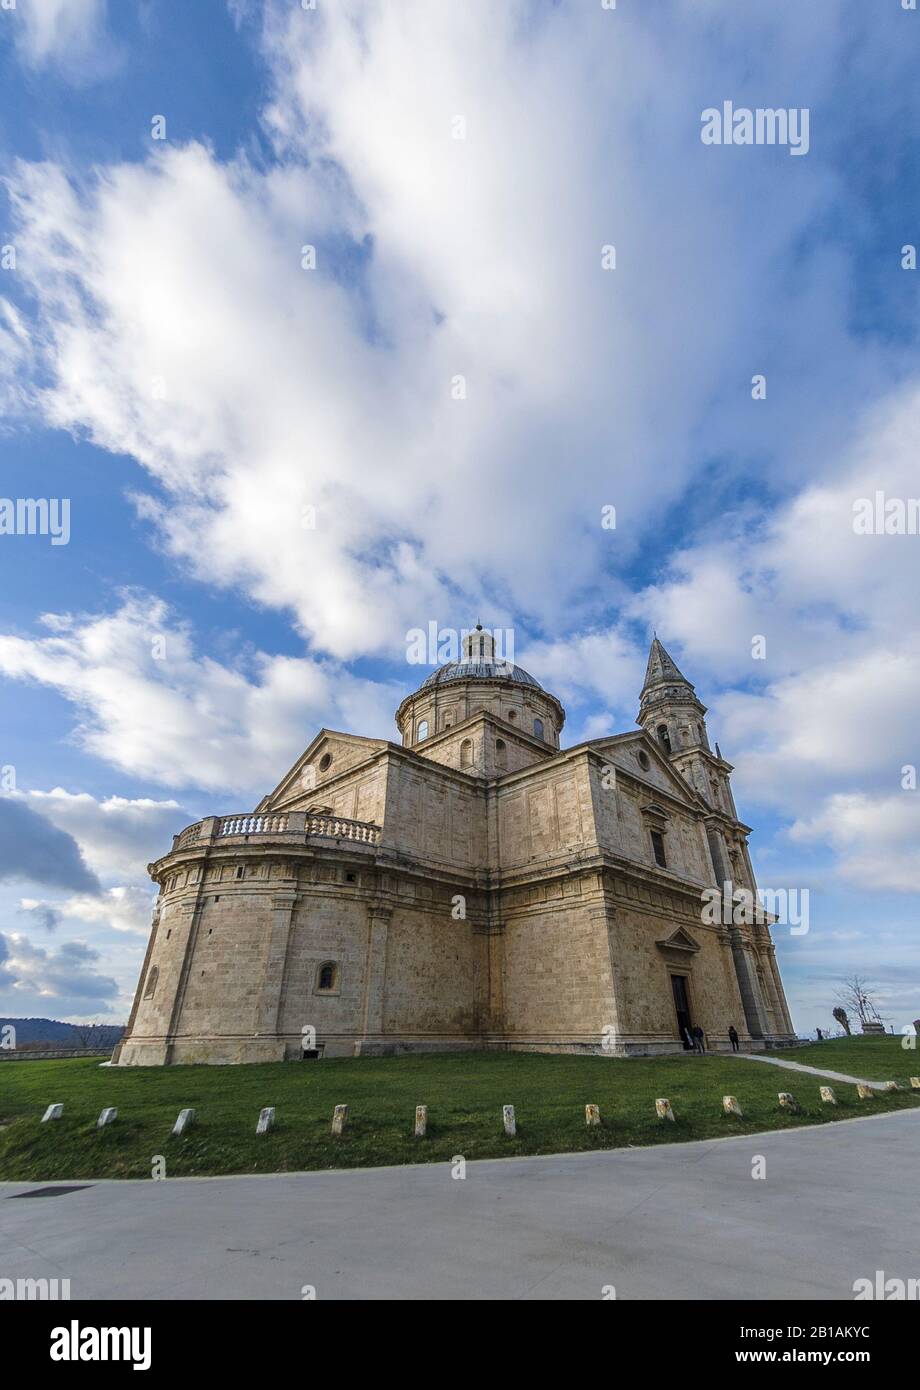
{"x": 800, "y": 1066}
{"x": 837, "y": 1203}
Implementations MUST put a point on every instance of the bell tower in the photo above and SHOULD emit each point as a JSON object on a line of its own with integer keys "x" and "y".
{"x": 673, "y": 715}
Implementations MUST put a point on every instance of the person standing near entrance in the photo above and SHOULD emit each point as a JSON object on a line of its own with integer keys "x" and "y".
{"x": 733, "y": 1037}
{"x": 699, "y": 1038}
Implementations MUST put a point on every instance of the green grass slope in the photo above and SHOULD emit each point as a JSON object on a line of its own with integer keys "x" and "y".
{"x": 878, "y": 1058}
{"x": 464, "y": 1093}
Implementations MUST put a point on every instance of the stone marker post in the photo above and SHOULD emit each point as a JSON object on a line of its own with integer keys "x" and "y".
{"x": 339, "y": 1120}
{"x": 827, "y": 1095}
{"x": 266, "y": 1120}
{"x": 185, "y": 1119}
{"x": 107, "y": 1117}
{"x": 54, "y": 1112}
{"x": 592, "y": 1114}
{"x": 731, "y": 1107}
{"x": 864, "y": 1092}
{"x": 787, "y": 1100}
{"x": 663, "y": 1109}
{"x": 421, "y": 1121}
{"x": 509, "y": 1121}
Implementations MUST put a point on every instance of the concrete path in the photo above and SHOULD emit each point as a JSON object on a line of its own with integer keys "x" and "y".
{"x": 801, "y": 1066}
{"x": 838, "y": 1202}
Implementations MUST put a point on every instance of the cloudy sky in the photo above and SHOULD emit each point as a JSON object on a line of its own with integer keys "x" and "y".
{"x": 309, "y": 314}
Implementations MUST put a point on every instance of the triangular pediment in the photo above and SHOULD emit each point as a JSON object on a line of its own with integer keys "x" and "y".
{"x": 328, "y": 756}
{"x": 638, "y": 754}
{"x": 680, "y": 940}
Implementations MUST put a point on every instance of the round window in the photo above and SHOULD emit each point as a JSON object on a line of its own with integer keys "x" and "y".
{"x": 643, "y": 757}
{"x": 325, "y": 762}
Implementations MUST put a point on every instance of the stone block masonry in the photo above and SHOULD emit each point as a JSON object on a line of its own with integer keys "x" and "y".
{"x": 476, "y": 887}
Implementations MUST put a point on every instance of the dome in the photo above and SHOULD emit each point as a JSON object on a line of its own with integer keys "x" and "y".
{"x": 480, "y": 670}
{"x": 481, "y": 676}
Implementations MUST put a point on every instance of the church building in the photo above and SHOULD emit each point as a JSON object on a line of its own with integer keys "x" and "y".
{"x": 477, "y": 886}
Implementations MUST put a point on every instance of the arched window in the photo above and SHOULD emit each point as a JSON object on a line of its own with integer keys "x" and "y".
{"x": 512, "y": 715}
{"x": 501, "y": 753}
{"x": 327, "y": 976}
{"x": 152, "y": 976}
{"x": 664, "y": 738}
{"x": 422, "y": 730}
{"x": 538, "y": 728}
{"x": 466, "y": 753}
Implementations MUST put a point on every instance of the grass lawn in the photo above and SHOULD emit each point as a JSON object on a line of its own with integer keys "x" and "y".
{"x": 464, "y": 1094}
{"x": 879, "y": 1058}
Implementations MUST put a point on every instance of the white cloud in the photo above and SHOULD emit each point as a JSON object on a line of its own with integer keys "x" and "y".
{"x": 122, "y": 909}
{"x": 69, "y": 34}
{"x": 183, "y": 719}
{"x": 877, "y": 837}
{"x": 118, "y": 835}
{"x": 178, "y": 326}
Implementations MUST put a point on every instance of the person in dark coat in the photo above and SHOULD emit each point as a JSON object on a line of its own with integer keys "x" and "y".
{"x": 733, "y": 1037}
{"x": 700, "y": 1037}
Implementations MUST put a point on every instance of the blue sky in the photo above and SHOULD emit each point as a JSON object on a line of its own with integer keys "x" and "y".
{"x": 168, "y": 365}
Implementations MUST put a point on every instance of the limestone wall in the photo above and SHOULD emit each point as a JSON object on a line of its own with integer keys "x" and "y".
{"x": 434, "y": 816}
{"x": 644, "y": 968}
{"x": 480, "y": 747}
{"x": 545, "y": 815}
{"x": 624, "y": 825}
{"x": 435, "y": 974}
{"x": 557, "y": 984}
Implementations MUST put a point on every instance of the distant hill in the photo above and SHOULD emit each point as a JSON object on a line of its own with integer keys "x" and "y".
{"x": 49, "y": 1030}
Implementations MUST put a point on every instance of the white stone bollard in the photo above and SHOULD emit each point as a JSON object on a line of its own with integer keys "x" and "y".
{"x": 185, "y": 1119}
{"x": 827, "y": 1095}
{"x": 421, "y": 1121}
{"x": 339, "y": 1119}
{"x": 107, "y": 1117}
{"x": 891, "y": 1086}
{"x": 864, "y": 1092}
{"x": 663, "y": 1109}
{"x": 731, "y": 1106}
{"x": 592, "y": 1114}
{"x": 54, "y": 1112}
{"x": 266, "y": 1120}
{"x": 915, "y": 1082}
{"x": 508, "y": 1120}
{"x": 787, "y": 1100}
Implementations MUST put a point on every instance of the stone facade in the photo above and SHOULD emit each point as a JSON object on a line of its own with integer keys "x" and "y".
{"x": 476, "y": 887}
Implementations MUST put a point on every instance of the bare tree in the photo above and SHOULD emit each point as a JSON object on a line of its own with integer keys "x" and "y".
{"x": 857, "y": 994}
{"x": 87, "y": 1034}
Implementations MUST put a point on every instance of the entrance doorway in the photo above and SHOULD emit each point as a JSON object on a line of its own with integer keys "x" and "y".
{"x": 682, "y": 1009}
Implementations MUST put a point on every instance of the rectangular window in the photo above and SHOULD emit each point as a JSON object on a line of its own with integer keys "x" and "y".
{"x": 658, "y": 847}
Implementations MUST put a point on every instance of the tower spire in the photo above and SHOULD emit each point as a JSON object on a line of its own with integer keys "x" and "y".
{"x": 669, "y": 708}
{"x": 661, "y": 669}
